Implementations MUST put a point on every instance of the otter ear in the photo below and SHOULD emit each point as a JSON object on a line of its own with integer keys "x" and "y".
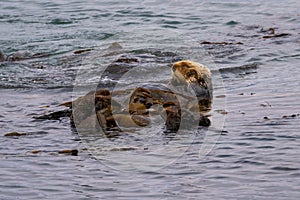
{"x": 177, "y": 66}
{"x": 173, "y": 67}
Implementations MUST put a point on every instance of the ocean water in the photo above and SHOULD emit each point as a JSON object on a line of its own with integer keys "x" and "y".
{"x": 251, "y": 151}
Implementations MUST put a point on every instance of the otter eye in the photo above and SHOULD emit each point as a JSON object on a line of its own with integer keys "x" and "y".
{"x": 187, "y": 66}
{"x": 192, "y": 73}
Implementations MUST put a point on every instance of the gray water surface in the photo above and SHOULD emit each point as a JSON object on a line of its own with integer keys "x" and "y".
{"x": 256, "y": 117}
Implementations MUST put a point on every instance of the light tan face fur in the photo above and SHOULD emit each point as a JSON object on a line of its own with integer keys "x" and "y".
{"x": 187, "y": 72}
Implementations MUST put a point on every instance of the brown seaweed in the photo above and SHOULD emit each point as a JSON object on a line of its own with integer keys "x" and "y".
{"x": 222, "y": 43}
{"x": 14, "y": 134}
{"x": 276, "y": 35}
{"x": 80, "y": 51}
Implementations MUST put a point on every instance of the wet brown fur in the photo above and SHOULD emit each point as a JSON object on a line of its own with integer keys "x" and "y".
{"x": 187, "y": 72}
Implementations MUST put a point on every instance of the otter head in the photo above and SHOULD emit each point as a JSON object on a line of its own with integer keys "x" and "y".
{"x": 188, "y": 74}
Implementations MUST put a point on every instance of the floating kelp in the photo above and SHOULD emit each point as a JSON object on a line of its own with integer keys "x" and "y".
{"x": 14, "y": 134}
{"x": 276, "y": 35}
{"x": 80, "y": 51}
{"x": 71, "y": 152}
{"x": 222, "y": 43}
{"x": 272, "y": 33}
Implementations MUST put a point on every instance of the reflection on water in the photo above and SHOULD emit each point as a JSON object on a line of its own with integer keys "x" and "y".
{"x": 255, "y": 47}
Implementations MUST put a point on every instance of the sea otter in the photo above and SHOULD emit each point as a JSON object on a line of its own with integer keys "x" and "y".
{"x": 175, "y": 101}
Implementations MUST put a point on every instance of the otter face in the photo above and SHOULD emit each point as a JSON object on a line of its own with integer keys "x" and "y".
{"x": 191, "y": 74}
